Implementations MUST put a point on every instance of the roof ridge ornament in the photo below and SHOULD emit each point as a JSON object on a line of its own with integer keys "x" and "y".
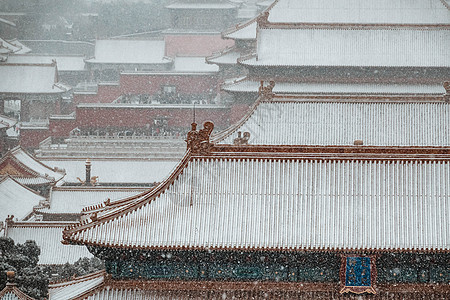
{"x": 198, "y": 141}
{"x": 263, "y": 19}
{"x": 267, "y": 91}
{"x": 447, "y": 91}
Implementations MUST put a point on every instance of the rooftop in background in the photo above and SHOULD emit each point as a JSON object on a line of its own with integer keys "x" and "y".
{"x": 192, "y": 64}
{"x": 13, "y": 46}
{"x": 203, "y": 5}
{"x": 117, "y": 171}
{"x": 7, "y": 122}
{"x": 30, "y": 79}
{"x": 243, "y": 31}
{"x": 356, "y": 47}
{"x": 361, "y": 12}
{"x": 76, "y": 287}
{"x": 16, "y": 199}
{"x": 71, "y": 200}
{"x": 129, "y": 52}
{"x": 48, "y": 236}
{"x": 26, "y": 169}
{"x": 63, "y": 62}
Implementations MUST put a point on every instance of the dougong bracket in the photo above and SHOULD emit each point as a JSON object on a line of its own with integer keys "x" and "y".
{"x": 198, "y": 141}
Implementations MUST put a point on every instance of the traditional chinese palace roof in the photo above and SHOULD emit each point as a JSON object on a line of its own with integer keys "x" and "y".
{"x": 24, "y": 168}
{"x": 11, "y": 291}
{"x": 7, "y": 122}
{"x": 129, "y": 52}
{"x": 71, "y": 200}
{"x": 48, "y": 236}
{"x": 30, "y": 79}
{"x": 390, "y": 120}
{"x": 287, "y": 198}
{"x": 384, "y": 47}
{"x": 64, "y": 62}
{"x": 243, "y": 31}
{"x": 17, "y": 199}
{"x": 356, "y": 12}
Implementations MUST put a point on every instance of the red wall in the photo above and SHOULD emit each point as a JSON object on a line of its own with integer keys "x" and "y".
{"x": 105, "y": 94}
{"x": 140, "y": 117}
{"x": 61, "y": 127}
{"x": 195, "y": 45}
{"x": 151, "y": 84}
{"x": 30, "y": 138}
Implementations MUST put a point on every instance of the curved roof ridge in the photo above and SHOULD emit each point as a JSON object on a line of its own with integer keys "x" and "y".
{"x": 3, "y": 178}
{"x": 220, "y": 136}
{"x": 19, "y": 150}
{"x": 130, "y": 206}
{"x": 67, "y": 282}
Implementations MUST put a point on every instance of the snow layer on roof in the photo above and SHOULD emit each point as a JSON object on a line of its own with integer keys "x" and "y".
{"x": 336, "y": 88}
{"x": 330, "y": 47}
{"x": 76, "y": 287}
{"x": 29, "y": 79}
{"x": 227, "y": 58}
{"x": 193, "y": 64}
{"x": 129, "y": 52}
{"x": 72, "y": 201}
{"x": 16, "y": 199}
{"x": 35, "y": 165}
{"x": 335, "y": 123}
{"x": 22, "y": 48}
{"x": 282, "y": 203}
{"x": 64, "y": 63}
{"x": 182, "y": 5}
{"x": 8, "y": 47}
{"x": 48, "y": 236}
{"x": 361, "y": 11}
{"x": 246, "y": 32}
{"x": 6, "y": 122}
{"x": 116, "y": 171}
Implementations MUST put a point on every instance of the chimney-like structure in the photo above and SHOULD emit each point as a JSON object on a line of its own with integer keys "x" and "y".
{"x": 88, "y": 172}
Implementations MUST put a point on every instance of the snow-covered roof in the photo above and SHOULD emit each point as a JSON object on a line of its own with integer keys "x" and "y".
{"x": 48, "y": 236}
{"x": 71, "y": 200}
{"x": 7, "y": 47}
{"x": 287, "y": 197}
{"x": 305, "y": 121}
{"x": 7, "y": 122}
{"x": 30, "y": 79}
{"x": 76, "y": 287}
{"x": 244, "y": 31}
{"x": 129, "y": 52}
{"x": 360, "y": 12}
{"x": 228, "y": 57}
{"x": 355, "y": 47}
{"x": 16, "y": 199}
{"x": 204, "y": 5}
{"x": 116, "y": 170}
{"x": 193, "y": 64}
{"x": 64, "y": 63}
{"x": 26, "y": 169}
{"x": 23, "y": 49}
{"x": 12, "y": 292}
{"x": 252, "y": 86}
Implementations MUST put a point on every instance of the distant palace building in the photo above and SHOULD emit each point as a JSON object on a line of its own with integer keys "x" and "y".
{"x": 335, "y": 185}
